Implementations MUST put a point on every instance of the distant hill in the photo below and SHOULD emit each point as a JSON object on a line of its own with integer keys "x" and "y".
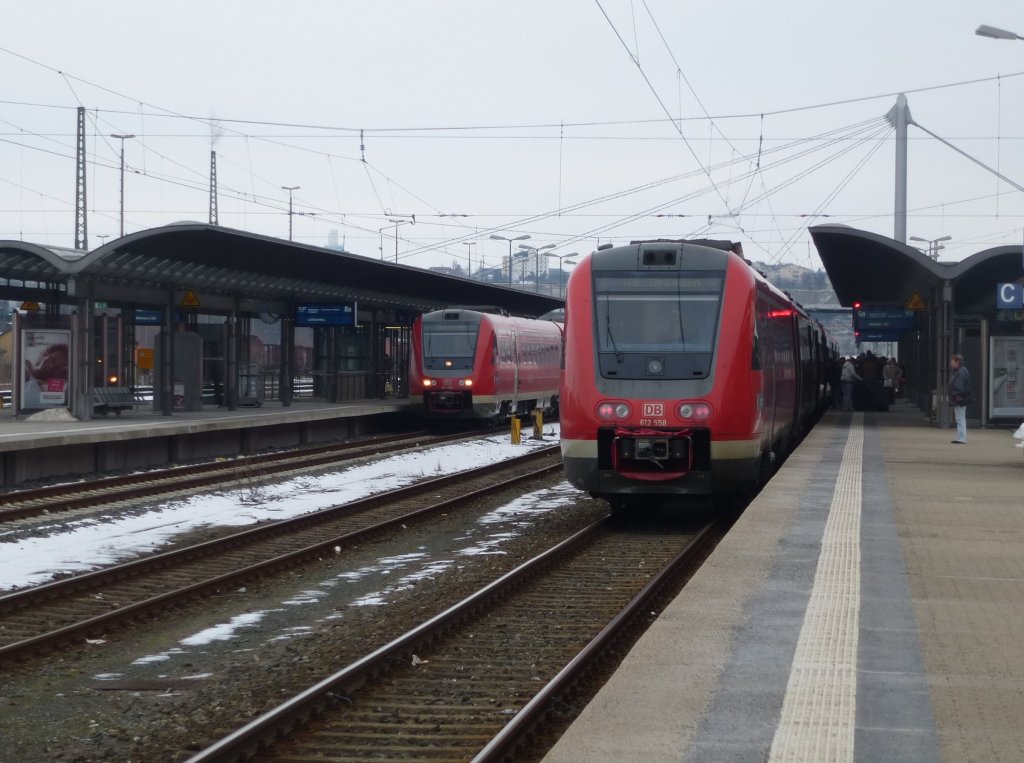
{"x": 811, "y": 288}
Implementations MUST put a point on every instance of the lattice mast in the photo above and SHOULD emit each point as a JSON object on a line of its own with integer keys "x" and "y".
{"x": 213, "y": 188}
{"x": 81, "y": 229}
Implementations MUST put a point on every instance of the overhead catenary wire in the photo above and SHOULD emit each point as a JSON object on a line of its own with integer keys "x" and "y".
{"x": 463, "y": 132}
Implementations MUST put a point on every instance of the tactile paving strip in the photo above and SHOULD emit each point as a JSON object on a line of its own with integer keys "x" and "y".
{"x": 819, "y": 710}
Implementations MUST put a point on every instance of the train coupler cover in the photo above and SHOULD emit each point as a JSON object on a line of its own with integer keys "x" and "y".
{"x": 652, "y": 454}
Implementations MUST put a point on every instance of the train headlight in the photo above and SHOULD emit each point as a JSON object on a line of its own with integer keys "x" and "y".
{"x": 613, "y": 411}
{"x": 694, "y": 411}
{"x": 465, "y": 382}
{"x": 447, "y": 364}
{"x": 428, "y": 382}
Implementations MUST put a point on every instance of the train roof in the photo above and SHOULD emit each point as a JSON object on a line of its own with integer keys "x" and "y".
{"x": 728, "y": 246}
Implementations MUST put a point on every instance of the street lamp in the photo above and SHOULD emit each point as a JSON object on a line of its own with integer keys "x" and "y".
{"x": 934, "y": 245}
{"x": 395, "y": 226}
{"x": 469, "y": 257}
{"x": 291, "y": 189}
{"x": 561, "y": 277}
{"x": 998, "y": 34}
{"x": 536, "y": 253}
{"x": 122, "y": 138}
{"x": 510, "y": 240}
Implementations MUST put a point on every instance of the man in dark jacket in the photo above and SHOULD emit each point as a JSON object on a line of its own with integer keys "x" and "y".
{"x": 959, "y": 395}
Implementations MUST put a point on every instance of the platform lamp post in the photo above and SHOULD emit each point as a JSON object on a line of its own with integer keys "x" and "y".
{"x": 999, "y": 34}
{"x": 122, "y": 138}
{"x": 934, "y": 245}
{"x": 291, "y": 189}
{"x": 996, "y": 33}
{"x": 561, "y": 278}
{"x": 536, "y": 254}
{"x": 395, "y": 223}
{"x": 496, "y": 237}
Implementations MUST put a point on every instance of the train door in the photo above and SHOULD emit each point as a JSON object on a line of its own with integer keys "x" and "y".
{"x": 769, "y": 369}
{"x": 515, "y": 374}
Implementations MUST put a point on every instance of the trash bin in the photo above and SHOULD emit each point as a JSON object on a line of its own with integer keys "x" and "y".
{"x": 250, "y": 385}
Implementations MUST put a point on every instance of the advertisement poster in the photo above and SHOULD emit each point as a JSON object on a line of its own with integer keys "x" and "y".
{"x": 46, "y": 355}
{"x": 1007, "y": 369}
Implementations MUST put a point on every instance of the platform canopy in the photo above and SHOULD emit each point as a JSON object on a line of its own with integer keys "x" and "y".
{"x": 872, "y": 269}
{"x": 142, "y": 267}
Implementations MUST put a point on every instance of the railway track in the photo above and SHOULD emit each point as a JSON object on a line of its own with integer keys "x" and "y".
{"x": 70, "y": 610}
{"x": 478, "y": 681}
{"x": 56, "y": 499}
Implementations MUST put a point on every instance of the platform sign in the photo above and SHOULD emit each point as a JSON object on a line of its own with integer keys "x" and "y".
{"x": 879, "y": 336}
{"x": 1010, "y": 296}
{"x": 890, "y": 319}
{"x": 340, "y": 314}
{"x": 147, "y": 317}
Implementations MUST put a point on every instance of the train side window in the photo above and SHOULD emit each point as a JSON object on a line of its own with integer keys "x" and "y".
{"x": 755, "y": 353}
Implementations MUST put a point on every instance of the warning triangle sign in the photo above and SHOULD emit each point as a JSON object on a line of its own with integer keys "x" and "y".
{"x": 915, "y": 302}
{"x": 190, "y": 300}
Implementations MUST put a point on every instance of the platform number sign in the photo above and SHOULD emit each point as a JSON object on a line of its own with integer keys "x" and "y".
{"x": 1010, "y": 296}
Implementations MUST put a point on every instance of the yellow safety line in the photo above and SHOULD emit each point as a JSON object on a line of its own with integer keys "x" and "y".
{"x": 819, "y": 710}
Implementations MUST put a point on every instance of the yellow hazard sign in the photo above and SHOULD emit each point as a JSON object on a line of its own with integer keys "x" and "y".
{"x": 190, "y": 300}
{"x": 28, "y": 305}
{"x": 915, "y": 302}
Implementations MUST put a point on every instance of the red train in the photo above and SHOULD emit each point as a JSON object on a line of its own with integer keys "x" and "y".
{"x": 686, "y": 372}
{"x": 471, "y": 364}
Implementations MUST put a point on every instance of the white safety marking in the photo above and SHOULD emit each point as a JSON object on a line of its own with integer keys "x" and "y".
{"x": 819, "y": 710}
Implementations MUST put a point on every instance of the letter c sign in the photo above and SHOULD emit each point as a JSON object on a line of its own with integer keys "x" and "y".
{"x": 1010, "y": 296}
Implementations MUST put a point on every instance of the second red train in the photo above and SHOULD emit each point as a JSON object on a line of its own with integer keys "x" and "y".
{"x": 467, "y": 363}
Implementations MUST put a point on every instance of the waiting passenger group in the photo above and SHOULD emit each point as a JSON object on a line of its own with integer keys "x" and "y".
{"x": 867, "y": 367}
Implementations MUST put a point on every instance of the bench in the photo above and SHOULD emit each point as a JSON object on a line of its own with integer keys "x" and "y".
{"x": 116, "y": 399}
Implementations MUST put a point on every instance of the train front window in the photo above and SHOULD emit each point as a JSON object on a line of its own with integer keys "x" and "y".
{"x": 449, "y": 345}
{"x": 669, "y": 317}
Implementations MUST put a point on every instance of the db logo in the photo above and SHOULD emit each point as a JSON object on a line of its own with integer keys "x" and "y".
{"x": 654, "y": 409}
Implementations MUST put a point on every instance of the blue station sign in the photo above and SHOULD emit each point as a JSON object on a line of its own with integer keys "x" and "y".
{"x": 1010, "y": 296}
{"x": 888, "y": 319}
{"x": 148, "y": 317}
{"x": 341, "y": 314}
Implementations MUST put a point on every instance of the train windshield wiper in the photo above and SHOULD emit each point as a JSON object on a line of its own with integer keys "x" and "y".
{"x": 619, "y": 357}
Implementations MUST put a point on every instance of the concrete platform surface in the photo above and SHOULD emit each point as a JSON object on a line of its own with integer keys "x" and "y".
{"x": 868, "y": 606}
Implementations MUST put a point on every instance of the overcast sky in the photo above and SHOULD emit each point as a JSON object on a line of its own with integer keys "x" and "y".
{"x": 542, "y": 118}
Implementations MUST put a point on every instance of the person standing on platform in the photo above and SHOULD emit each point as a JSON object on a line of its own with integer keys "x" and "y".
{"x": 848, "y": 376}
{"x": 959, "y": 396}
{"x": 891, "y": 379}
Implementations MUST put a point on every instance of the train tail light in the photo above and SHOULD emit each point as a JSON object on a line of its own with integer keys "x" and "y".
{"x": 610, "y": 410}
{"x": 695, "y": 411}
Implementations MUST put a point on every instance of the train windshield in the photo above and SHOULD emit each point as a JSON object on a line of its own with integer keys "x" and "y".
{"x": 451, "y": 344}
{"x": 641, "y": 315}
